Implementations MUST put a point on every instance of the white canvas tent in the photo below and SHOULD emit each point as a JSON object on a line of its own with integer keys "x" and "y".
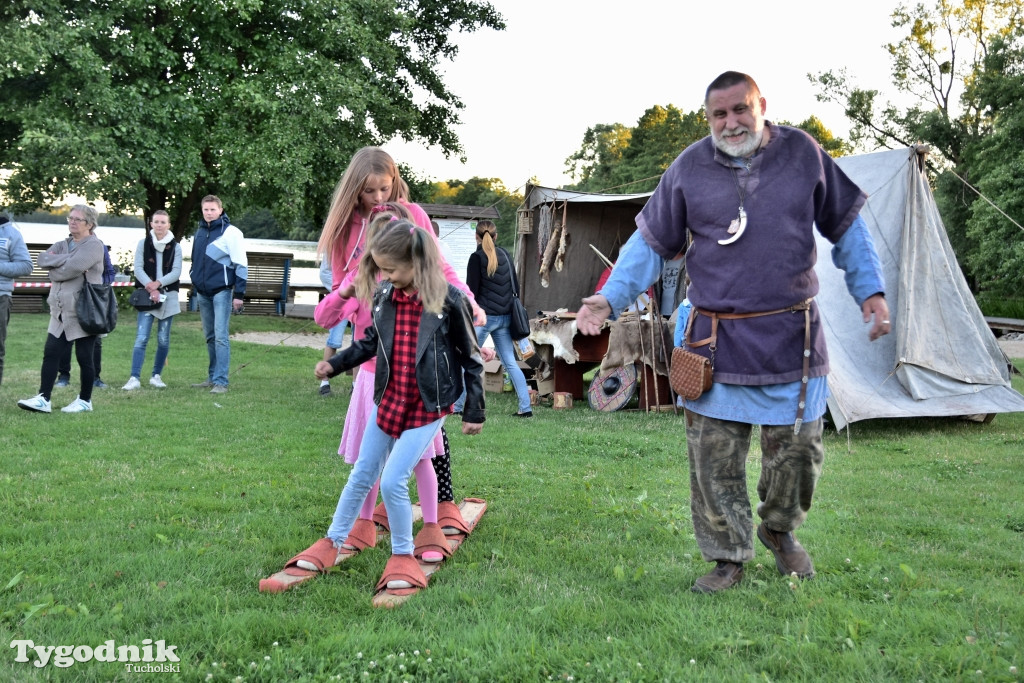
{"x": 941, "y": 358}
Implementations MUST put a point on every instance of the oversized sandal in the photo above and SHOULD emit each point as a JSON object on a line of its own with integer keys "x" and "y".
{"x": 402, "y": 568}
{"x": 315, "y": 560}
{"x": 431, "y": 544}
{"x": 449, "y": 518}
{"x": 318, "y": 557}
{"x": 362, "y": 536}
{"x": 380, "y": 516}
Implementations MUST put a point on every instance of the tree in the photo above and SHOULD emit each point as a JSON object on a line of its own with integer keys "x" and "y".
{"x": 482, "y": 192}
{"x": 152, "y": 105}
{"x": 812, "y": 125}
{"x": 937, "y": 64}
{"x": 658, "y": 138}
{"x": 602, "y": 149}
{"x": 997, "y": 161}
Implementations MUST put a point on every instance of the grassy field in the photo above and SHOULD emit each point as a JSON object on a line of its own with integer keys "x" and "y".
{"x": 155, "y": 517}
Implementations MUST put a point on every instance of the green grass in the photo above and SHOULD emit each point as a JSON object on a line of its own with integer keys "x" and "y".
{"x": 156, "y": 515}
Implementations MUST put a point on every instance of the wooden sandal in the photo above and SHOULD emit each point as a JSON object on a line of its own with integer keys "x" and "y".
{"x": 449, "y": 518}
{"x": 318, "y": 557}
{"x": 402, "y": 568}
{"x": 380, "y": 516}
{"x": 362, "y": 536}
{"x": 431, "y": 544}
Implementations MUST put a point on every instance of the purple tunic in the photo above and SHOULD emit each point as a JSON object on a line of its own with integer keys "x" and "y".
{"x": 791, "y": 186}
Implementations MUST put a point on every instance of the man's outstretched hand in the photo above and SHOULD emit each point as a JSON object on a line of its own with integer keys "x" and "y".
{"x": 592, "y": 314}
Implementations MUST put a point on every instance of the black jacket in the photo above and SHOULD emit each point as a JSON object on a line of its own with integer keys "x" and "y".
{"x": 446, "y": 351}
{"x": 493, "y": 293}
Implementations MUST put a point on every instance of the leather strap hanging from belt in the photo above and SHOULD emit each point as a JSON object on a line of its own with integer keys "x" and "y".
{"x": 712, "y": 343}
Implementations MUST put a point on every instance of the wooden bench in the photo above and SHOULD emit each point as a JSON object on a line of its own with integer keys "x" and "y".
{"x": 268, "y": 288}
{"x": 32, "y": 298}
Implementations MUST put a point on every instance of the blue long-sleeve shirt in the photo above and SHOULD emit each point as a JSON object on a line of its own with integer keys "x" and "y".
{"x": 774, "y": 404}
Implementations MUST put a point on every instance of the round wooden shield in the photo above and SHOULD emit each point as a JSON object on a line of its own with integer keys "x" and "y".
{"x": 613, "y": 389}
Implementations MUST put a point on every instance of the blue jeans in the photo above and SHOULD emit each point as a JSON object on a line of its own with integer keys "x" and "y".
{"x": 392, "y": 461}
{"x": 163, "y": 342}
{"x": 215, "y": 312}
{"x": 336, "y": 335}
{"x": 497, "y": 328}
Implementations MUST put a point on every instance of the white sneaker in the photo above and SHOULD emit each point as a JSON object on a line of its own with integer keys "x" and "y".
{"x": 132, "y": 384}
{"x": 157, "y": 382}
{"x": 37, "y": 404}
{"x": 77, "y": 406}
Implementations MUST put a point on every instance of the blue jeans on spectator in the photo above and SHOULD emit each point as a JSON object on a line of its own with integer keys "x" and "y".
{"x": 497, "y": 328}
{"x": 336, "y": 335}
{"x": 215, "y": 312}
{"x": 144, "y": 326}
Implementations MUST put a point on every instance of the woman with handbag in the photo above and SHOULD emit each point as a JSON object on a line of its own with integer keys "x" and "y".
{"x": 157, "y": 275}
{"x": 492, "y": 279}
{"x": 69, "y": 263}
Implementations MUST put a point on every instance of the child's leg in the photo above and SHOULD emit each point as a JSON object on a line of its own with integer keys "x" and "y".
{"x": 426, "y": 486}
{"x": 394, "y": 481}
{"x": 372, "y": 454}
{"x": 366, "y": 512}
{"x": 443, "y": 471}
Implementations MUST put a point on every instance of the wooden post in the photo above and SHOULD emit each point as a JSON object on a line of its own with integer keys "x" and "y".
{"x": 562, "y": 401}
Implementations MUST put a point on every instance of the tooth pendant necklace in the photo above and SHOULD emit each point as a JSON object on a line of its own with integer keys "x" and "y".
{"x": 738, "y": 224}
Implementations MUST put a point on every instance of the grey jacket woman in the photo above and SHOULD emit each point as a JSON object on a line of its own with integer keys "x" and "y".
{"x": 69, "y": 267}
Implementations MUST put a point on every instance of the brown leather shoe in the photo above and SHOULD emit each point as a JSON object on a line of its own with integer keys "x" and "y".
{"x": 790, "y": 556}
{"x": 724, "y": 575}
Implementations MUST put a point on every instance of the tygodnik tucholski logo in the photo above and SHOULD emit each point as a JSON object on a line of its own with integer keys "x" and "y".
{"x": 136, "y": 659}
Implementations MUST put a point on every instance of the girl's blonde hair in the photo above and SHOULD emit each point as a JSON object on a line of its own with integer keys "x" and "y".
{"x": 379, "y": 216}
{"x": 366, "y": 162}
{"x": 403, "y": 241}
{"x": 487, "y": 231}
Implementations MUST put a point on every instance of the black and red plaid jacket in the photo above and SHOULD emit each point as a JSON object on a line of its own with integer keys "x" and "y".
{"x": 447, "y": 356}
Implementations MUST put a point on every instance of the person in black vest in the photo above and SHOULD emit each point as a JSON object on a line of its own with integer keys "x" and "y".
{"x": 158, "y": 271}
{"x": 492, "y": 279}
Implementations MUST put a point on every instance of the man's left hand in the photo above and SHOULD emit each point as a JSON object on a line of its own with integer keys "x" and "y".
{"x": 236, "y": 305}
{"x": 874, "y": 308}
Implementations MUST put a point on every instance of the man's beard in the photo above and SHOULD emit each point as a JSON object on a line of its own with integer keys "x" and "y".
{"x": 745, "y": 148}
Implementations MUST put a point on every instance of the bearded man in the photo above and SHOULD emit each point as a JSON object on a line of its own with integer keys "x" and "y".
{"x": 743, "y": 203}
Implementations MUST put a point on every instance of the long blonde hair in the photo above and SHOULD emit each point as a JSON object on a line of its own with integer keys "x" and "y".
{"x": 366, "y": 162}
{"x": 380, "y": 215}
{"x": 405, "y": 242}
{"x": 487, "y": 231}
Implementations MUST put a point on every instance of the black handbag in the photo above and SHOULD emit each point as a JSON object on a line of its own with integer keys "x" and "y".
{"x": 96, "y": 308}
{"x": 519, "y": 319}
{"x": 142, "y": 302}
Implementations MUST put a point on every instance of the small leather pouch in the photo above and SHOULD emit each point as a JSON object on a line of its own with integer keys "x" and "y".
{"x": 689, "y": 373}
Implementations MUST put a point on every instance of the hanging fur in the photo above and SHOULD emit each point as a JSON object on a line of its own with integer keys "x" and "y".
{"x": 563, "y": 241}
{"x": 549, "y": 254}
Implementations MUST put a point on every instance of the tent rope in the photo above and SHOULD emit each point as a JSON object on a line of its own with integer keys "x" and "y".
{"x": 990, "y": 202}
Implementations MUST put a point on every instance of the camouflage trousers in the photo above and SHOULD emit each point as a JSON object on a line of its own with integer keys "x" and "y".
{"x": 719, "y": 503}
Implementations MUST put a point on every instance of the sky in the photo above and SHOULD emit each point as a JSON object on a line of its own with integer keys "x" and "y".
{"x": 563, "y": 66}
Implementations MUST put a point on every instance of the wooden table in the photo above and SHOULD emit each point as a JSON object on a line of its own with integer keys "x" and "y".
{"x": 568, "y": 377}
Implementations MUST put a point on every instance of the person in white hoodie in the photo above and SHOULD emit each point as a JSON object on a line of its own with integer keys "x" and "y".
{"x": 219, "y": 273}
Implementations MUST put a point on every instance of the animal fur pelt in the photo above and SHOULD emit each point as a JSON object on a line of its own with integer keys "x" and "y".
{"x": 629, "y": 341}
{"x": 559, "y": 335}
{"x": 549, "y": 254}
{"x": 563, "y": 240}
